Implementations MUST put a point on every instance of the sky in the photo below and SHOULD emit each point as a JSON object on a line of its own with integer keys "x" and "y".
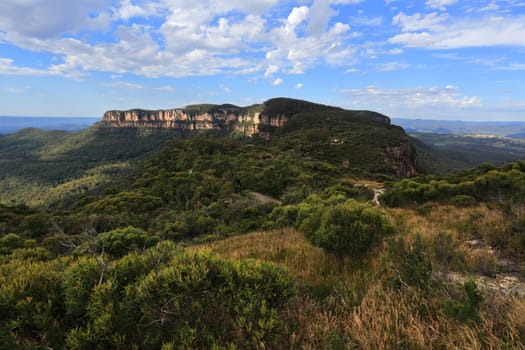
{"x": 427, "y": 59}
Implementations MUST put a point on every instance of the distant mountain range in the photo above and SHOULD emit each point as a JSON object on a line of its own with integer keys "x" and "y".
{"x": 508, "y": 129}
{"x": 12, "y": 124}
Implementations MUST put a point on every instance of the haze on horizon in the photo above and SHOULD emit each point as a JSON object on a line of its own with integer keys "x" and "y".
{"x": 433, "y": 59}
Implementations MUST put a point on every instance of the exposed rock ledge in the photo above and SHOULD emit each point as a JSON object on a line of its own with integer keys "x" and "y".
{"x": 260, "y": 119}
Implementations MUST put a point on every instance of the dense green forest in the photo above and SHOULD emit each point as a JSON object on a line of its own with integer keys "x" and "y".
{"x": 132, "y": 238}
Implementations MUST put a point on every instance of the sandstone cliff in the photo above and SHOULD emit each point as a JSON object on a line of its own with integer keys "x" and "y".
{"x": 263, "y": 120}
{"x": 244, "y": 121}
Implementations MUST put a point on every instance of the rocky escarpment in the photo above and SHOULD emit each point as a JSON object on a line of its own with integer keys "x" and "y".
{"x": 262, "y": 119}
{"x": 265, "y": 120}
{"x": 246, "y": 121}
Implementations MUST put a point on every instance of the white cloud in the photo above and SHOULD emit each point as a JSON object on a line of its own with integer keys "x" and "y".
{"x": 440, "y": 4}
{"x": 165, "y": 88}
{"x": 419, "y": 21}
{"x": 252, "y": 6}
{"x": 16, "y": 89}
{"x": 512, "y": 66}
{"x": 493, "y": 6}
{"x": 366, "y": 21}
{"x": 127, "y": 85}
{"x": 339, "y": 28}
{"x": 299, "y": 86}
{"x": 8, "y": 68}
{"x": 271, "y": 70}
{"x": 415, "y": 101}
{"x": 129, "y": 9}
{"x": 461, "y": 33}
{"x": 346, "y": 2}
{"x": 278, "y": 82}
{"x": 320, "y": 15}
{"x": 187, "y": 37}
{"x": 297, "y": 16}
{"x": 51, "y": 18}
{"x": 391, "y": 66}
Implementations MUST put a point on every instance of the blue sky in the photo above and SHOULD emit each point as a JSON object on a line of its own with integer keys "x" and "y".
{"x": 433, "y": 59}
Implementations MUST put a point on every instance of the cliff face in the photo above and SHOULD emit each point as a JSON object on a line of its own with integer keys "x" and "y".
{"x": 404, "y": 158}
{"x": 262, "y": 120}
{"x": 237, "y": 120}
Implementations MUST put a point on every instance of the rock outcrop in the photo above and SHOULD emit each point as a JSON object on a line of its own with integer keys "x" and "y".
{"x": 405, "y": 158}
{"x": 262, "y": 120}
{"x": 234, "y": 120}
{"x": 245, "y": 121}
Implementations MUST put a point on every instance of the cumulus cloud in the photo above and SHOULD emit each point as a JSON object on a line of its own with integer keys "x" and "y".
{"x": 278, "y": 82}
{"x": 299, "y": 86}
{"x": 321, "y": 13}
{"x": 129, "y": 9}
{"x": 187, "y": 37}
{"x": 297, "y": 16}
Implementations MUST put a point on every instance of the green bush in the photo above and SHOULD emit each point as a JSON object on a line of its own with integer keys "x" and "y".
{"x": 163, "y": 296}
{"x": 409, "y": 264}
{"x": 466, "y": 310}
{"x": 463, "y": 200}
{"x": 349, "y": 228}
{"x": 121, "y": 241}
{"x": 12, "y": 241}
{"x": 192, "y": 300}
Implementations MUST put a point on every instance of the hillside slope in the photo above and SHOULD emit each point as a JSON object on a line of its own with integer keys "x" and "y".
{"x": 42, "y": 167}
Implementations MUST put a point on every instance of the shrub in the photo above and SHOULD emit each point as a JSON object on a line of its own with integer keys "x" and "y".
{"x": 462, "y": 201}
{"x": 191, "y": 300}
{"x": 409, "y": 264}
{"x": 12, "y": 241}
{"x": 483, "y": 262}
{"x": 121, "y": 241}
{"x": 347, "y": 228}
{"x": 467, "y": 310}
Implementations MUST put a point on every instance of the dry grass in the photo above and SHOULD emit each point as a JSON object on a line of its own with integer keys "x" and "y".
{"x": 358, "y": 311}
{"x": 286, "y": 247}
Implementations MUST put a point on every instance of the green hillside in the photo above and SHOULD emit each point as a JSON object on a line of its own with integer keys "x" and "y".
{"x": 40, "y": 167}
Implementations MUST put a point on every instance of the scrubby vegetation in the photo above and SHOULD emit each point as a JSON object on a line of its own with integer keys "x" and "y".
{"x": 227, "y": 243}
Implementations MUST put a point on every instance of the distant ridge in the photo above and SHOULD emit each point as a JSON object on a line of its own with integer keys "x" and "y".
{"x": 9, "y": 124}
{"x": 515, "y": 129}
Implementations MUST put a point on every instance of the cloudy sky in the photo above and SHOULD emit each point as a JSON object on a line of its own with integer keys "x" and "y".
{"x": 434, "y": 59}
